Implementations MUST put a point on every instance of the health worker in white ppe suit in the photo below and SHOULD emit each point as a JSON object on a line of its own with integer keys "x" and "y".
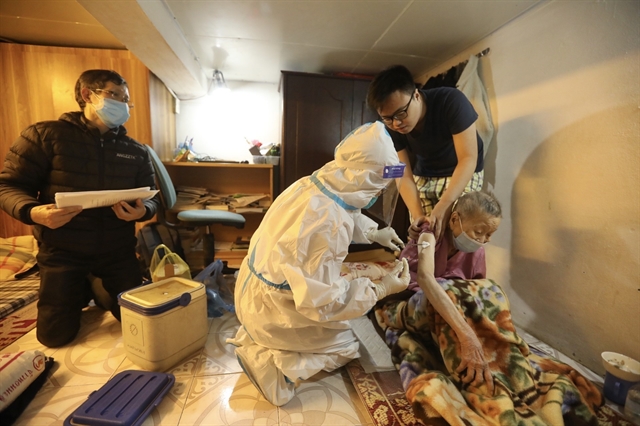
{"x": 293, "y": 304}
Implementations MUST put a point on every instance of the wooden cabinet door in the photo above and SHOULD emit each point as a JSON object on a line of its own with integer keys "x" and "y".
{"x": 361, "y": 112}
{"x": 318, "y": 114}
{"x": 319, "y": 111}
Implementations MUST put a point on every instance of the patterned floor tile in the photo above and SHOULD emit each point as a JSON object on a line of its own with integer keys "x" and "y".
{"x": 218, "y": 356}
{"x": 169, "y": 411}
{"x": 91, "y": 362}
{"x": 52, "y": 405}
{"x": 97, "y": 324}
{"x": 184, "y": 368}
{"x": 325, "y": 399}
{"x": 227, "y": 323}
{"x": 28, "y": 342}
{"x": 226, "y": 400}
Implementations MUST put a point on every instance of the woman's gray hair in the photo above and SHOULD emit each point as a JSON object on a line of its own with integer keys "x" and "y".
{"x": 476, "y": 202}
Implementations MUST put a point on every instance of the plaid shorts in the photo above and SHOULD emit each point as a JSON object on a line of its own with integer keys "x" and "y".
{"x": 432, "y": 188}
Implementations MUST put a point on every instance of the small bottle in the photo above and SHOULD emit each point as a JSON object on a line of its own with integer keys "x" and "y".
{"x": 632, "y": 404}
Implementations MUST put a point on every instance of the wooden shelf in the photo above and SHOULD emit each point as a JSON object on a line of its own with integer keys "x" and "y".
{"x": 228, "y": 178}
{"x": 218, "y": 165}
{"x": 233, "y": 257}
{"x": 225, "y": 178}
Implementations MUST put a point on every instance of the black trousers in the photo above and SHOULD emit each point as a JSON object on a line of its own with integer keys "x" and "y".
{"x": 65, "y": 289}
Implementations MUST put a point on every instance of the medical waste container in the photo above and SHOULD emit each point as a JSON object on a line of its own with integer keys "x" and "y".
{"x": 163, "y": 322}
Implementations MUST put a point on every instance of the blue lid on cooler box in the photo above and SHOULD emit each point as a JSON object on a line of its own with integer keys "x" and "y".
{"x": 125, "y": 400}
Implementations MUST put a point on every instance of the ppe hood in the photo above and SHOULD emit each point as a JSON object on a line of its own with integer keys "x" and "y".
{"x": 356, "y": 175}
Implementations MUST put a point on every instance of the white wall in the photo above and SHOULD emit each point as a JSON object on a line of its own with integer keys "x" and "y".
{"x": 220, "y": 122}
{"x": 564, "y": 83}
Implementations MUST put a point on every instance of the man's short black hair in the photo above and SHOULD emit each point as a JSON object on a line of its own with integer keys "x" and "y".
{"x": 392, "y": 79}
{"x": 96, "y": 79}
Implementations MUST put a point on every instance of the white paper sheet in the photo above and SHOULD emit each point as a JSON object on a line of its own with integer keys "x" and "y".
{"x": 93, "y": 199}
{"x": 374, "y": 353}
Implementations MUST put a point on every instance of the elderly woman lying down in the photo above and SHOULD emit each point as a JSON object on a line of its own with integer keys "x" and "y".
{"x": 461, "y": 360}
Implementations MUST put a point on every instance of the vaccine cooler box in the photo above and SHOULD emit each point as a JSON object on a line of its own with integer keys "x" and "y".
{"x": 163, "y": 322}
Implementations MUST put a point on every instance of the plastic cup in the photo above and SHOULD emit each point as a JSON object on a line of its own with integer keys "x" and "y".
{"x": 622, "y": 373}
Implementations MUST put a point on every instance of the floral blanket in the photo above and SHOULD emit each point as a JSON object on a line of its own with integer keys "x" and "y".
{"x": 531, "y": 388}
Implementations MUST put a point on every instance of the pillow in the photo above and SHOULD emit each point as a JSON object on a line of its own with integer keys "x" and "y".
{"x": 17, "y": 254}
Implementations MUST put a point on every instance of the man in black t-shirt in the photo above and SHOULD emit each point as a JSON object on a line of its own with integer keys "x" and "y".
{"x": 438, "y": 127}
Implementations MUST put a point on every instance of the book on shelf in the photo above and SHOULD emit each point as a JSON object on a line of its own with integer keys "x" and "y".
{"x": 240, "y": 244}
{"x": 249, "y": 209}
{"x": 192, "y": 190}
{"x": 223, "y": 245}
{"x": 243, "y": 200}
{"x": 222, "y": 207}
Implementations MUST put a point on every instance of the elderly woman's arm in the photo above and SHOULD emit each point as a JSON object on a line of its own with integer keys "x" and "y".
{"x": 472, "y": 358}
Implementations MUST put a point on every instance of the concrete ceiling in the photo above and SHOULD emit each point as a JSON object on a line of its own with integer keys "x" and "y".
{"x": 183, "y": 41}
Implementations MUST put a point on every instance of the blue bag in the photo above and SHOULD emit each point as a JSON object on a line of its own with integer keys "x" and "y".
{"x": 219, "y": 295}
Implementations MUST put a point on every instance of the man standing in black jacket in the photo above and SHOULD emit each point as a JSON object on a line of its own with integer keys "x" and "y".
{"x": 87, "y": 150}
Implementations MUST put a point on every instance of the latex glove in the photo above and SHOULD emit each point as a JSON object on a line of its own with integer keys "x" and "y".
{"x": 392, "y": 283}
{"x": 386, "y": 237}
{"x": 472, "y": 359}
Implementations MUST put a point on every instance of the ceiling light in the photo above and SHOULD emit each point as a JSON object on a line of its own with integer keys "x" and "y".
{"x": 218, "y": 82}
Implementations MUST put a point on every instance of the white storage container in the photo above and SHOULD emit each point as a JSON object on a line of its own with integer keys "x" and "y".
{"x": 163, "y": 322}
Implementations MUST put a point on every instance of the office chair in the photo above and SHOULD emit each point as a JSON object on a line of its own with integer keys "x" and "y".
{"x": 190, "y": 218}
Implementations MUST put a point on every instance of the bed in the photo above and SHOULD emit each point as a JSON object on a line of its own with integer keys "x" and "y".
{"x": 19, "y": 283}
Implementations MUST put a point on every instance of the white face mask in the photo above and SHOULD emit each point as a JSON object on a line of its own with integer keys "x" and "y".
{"x": 465, "y": 243}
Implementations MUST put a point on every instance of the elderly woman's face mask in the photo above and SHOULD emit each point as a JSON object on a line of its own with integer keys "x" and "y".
{"x": 475, "y": 234}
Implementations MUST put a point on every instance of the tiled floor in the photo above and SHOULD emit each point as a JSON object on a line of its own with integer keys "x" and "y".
{"x": 210, "y": 388}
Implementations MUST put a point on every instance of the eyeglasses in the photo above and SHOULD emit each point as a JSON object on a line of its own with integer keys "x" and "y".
{"x": 116, "y": 97}
{"x": 400, "y": 115}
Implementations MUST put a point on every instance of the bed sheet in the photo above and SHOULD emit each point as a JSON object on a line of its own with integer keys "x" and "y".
{"x": 14, "y": 294}
{"x": 18, "y": 282}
